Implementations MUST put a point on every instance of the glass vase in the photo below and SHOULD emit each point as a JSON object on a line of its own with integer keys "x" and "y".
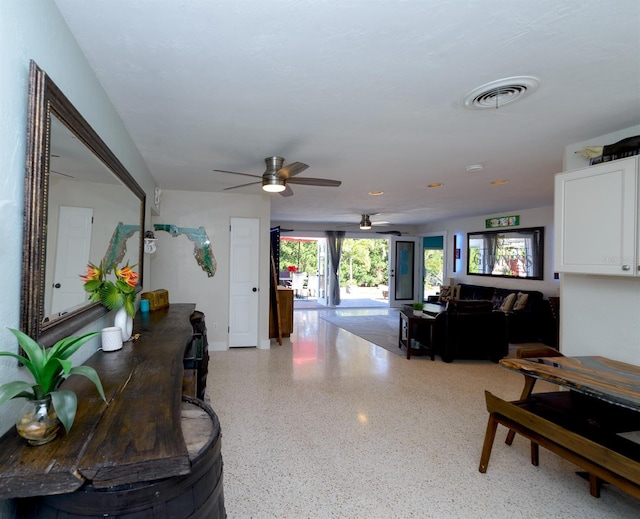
{"x": 38, "y": 422}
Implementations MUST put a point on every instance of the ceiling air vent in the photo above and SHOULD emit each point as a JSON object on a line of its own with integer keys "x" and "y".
{"x": 501, "y": 92}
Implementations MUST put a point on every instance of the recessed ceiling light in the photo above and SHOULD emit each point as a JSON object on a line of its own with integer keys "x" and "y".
{"x": 474, "y": 167}
{"x": 435, "y": 184}
{"x": 376, "y": 193}
{"x": 500, "y": 92}
{"x": 498, "y": 182}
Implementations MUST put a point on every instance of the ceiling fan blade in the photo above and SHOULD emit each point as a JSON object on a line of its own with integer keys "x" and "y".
{"x": 325, "y": 182}
{"x": 236, "y": 173}
{"x": 241, "y": 185}
{"x": 287, "y": 191}
{"x": 292, "y": 169}
{"x": 394, "y": 233}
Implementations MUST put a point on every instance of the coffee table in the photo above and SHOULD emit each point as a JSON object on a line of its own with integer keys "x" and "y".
{"x": 595, "y": 425}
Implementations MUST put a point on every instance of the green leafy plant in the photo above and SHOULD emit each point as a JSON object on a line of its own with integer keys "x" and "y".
{"x": 418, "y": 306}
{"x": 49, "y": 368}
{"x": 112, "y": 294}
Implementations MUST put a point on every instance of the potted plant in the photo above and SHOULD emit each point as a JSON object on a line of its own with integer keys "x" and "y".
{"x": 417, "y": 308}
{"x": 119, "y": 294}
{"x": 48, "y": 404}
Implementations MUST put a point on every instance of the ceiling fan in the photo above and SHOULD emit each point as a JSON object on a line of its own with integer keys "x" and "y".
{"x": 366, "y": 224}
{"x": 277, "y": 176}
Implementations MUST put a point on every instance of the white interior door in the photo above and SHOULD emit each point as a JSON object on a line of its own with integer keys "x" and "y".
{"x": 244, "y": 282}
{"x": 72, "y": 255}
{"x": 404, "y": 263}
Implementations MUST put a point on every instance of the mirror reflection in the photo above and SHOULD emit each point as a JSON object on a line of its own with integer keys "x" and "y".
{"x": 514, "y": 253}
{"x": 91, "y": 217}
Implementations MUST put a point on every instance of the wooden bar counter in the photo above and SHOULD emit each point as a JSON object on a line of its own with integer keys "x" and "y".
{"x": 137, "y": 437}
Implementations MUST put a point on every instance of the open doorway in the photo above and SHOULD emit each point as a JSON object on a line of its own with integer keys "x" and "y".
{"x": 433, "y": 265}
{"x": 363, "y": 274}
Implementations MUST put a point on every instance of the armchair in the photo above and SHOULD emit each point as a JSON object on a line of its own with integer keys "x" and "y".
{"x": 474, "y": 331}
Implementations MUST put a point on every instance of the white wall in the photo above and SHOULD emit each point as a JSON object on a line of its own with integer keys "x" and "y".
{"x": 539, "y": 217}
{"x": 34, "y": 29}
{"x": 600, "y": 315}
{"x": 174, "y": 266}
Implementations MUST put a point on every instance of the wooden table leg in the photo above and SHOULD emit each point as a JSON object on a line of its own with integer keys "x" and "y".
{"x": 489, "y": 436}
{"x": 535, "y": 454}
{"x": 431, "y": 345}
{"x": 408, "y": 338}
{"x": 529, "y": 382}
{"x": 400, "y": 331}
{"x": 594, "y": 485}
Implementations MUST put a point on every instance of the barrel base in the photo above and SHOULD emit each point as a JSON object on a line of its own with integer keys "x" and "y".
{"x": 197, "y": 495}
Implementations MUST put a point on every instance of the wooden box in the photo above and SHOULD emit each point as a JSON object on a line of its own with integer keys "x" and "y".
{"x": 157, "y": 298}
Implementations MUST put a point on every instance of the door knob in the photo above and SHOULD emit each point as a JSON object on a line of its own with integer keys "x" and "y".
{"x": 254, "y": 289}
{"x": 57, "y": 285}
{"x": 626, "y": 267}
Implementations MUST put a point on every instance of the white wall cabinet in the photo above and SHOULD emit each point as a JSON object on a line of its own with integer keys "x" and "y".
{"x": 596, "y": 219}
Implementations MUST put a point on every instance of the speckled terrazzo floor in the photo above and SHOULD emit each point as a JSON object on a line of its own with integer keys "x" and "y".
{"x": 330, "y": 426}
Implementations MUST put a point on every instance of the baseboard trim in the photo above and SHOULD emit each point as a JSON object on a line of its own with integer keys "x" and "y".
{"x": 218, "y": 346}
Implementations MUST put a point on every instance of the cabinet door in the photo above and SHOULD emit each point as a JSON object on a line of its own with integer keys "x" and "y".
{"x": 596, "y": 219}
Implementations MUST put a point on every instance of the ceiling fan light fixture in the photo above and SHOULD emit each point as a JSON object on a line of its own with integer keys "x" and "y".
{"x": 273, "y": 184}
{"x": 365, "y": 223}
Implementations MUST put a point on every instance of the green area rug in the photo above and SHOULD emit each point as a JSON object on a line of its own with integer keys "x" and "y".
{"x": 381, "y": 330}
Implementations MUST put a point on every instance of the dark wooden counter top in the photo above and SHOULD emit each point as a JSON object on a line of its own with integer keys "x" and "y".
{"x": 137, "y": 437}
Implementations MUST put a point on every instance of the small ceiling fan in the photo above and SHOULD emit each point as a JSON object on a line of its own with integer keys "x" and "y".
{"x": 277, "y": 176}
{"x": 366, "y": 223}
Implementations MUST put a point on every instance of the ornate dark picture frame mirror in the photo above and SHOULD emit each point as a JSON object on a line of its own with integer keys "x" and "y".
{"x": 48, "y": 109}
{"x": 515, "y": 253}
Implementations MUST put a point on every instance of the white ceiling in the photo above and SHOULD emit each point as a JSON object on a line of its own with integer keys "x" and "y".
{"x": 365, "y": 91}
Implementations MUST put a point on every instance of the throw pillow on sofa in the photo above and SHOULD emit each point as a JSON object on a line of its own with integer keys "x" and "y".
{"x": 508, "y": 302}
{"x": 446, "y": 293}
{"x": 497, "y": 301}
{"x": 449, "y": 293}
{"x": 521, "y": 301}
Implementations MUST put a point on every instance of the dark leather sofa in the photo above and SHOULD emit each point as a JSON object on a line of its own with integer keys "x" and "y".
{"x": 526, "y": 325}
{"x": 473, "y": 326}
{"x": 473, "y": 330}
